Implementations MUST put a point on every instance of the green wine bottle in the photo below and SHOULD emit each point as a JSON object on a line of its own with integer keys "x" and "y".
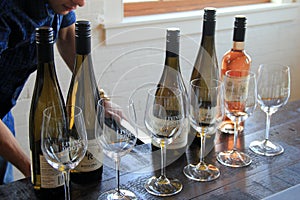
{"x": 172, "y": 78}
{"x": 83, "y": 92}
{"x": 206, "y": 66}
{"x": 47, "y": 182}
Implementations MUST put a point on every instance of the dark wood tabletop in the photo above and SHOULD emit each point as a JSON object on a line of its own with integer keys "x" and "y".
{"x": 264, "y": 177}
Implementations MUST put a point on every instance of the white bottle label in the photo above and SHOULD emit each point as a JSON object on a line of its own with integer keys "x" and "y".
{"x": 92, "y": 159}
{"x": 50, "y": 178}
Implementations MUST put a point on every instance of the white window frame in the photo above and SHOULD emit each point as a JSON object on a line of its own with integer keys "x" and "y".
{"x": 114, "y": 23}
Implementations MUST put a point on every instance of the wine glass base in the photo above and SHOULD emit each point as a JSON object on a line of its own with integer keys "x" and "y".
{"x": 234, "y": 158}
{"x": 114, "y": 195}
{"x": 266, "y": 148}
{"x": 163, "y": 186}
{"x": 201, "y": 172}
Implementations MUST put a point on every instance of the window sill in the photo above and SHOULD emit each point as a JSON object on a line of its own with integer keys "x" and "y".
{"x": 141, "y": 28}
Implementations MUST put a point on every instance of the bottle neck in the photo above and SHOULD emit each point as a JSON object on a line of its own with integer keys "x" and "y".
{"x": 208, "y": 36}
{"x": 209, "y": 28}
{"x": 238, "y": 46}
{"x": 172, "y": 51}
{"x": 83, "y": 45}
{"x": 45, "y": 53}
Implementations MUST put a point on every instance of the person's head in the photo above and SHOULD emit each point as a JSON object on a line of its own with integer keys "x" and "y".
{"x": 63, "y": 7}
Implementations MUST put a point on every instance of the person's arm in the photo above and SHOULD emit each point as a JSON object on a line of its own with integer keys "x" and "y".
{"x": 12, "y": 152}
{"x": 66, "y": 45}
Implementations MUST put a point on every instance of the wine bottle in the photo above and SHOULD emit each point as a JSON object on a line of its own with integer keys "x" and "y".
{"x": 172, "y": 77}
{"x": 236, "y": 58}
{"x": 206, "y": 66}
{"x": 47, "y": 181}
{"x": 83, "y": 92}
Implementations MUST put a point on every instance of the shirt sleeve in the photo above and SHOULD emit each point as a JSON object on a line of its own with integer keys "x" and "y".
{"x": 4, "y": 34}
{"x": 68, "y": 19}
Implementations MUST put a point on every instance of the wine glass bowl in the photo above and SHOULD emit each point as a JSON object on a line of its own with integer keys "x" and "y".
{"x": 116, "y": 139}
{"x": 240, "y": 97}
{"x": 273, "y": 93}
{"x": 164, "y": 120}
{"x": 206, "y": 114}
{"x": 63, "y": 140}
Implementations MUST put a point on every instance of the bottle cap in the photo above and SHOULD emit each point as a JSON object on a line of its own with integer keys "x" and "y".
{"x": 44, "y": 35}
{"x": 240, "y": 21}
{"x": 173, "y": 34}
{"x": 173, "y": 37}
{"x": 239, "y": 28}
{"x": 210, "y": 14}
{"x": 83, "y": 28}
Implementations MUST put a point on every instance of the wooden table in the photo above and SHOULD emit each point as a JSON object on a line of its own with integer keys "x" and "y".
{"x": 264, "y": 177}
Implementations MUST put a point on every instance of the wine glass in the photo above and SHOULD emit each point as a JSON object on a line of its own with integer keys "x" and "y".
{"x": 273, "y": 82}
{"x": 63, "y": 140}
{"x": 206, "y": 113}
{"x": 240, "y": 95}
{"x": 117, "y": 134}
{"x": 164, "y": 120}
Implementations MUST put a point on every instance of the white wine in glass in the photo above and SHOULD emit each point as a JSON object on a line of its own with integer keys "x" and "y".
{"x": 273, "y": 82}
{"x": 206, "y": 114}
{"x": 164, "y": 120}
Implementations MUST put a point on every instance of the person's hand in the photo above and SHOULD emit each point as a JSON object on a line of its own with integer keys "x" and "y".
{"x": 112, "y": 109}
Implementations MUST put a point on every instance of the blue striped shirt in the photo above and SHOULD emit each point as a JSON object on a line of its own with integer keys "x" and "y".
{"x": 18, "y": 21}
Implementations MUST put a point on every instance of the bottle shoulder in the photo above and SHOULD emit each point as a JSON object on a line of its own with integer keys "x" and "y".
{"x": 235, "y": 59}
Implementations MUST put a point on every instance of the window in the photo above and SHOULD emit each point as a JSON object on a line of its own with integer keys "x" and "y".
{"x": 147, "y": 7}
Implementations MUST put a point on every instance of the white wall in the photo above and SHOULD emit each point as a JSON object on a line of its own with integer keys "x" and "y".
{"x": 122, "y": 67}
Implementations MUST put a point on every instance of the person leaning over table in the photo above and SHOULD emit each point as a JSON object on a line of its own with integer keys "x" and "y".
{"x": 18, "y": 21}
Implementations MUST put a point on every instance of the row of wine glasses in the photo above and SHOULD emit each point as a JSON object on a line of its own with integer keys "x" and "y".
{"x": 64, "y": 140}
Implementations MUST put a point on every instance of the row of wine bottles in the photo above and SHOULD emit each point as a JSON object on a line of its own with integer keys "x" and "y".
{"x": 83, "y": 92}
{"x": 205, "y": 68}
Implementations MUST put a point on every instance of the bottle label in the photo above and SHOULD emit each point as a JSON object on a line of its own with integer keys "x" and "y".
{"x": 236, "y": 89}
{"x": 50, "y": 178}
{"x": 92, "y": 159}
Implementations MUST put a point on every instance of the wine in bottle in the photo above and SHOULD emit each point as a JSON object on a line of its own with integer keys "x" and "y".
{"x": 47, "y": 182}
{"x": 236, "y": 59}
{"x": 206, "y": 66}
{"x": 172, "y": 78}
{"x": 83, "y": 92}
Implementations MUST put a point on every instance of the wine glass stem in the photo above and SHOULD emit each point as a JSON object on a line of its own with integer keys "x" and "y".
{"x": 117, "y": 161}
{"x": 163, "y": 151}
{"x": 67, "y": 184}
{"x": 268, "y": 120}
{"x": 202, "y": 148}
{"x": 236, "y": 126}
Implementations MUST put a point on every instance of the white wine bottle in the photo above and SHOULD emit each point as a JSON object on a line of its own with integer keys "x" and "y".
{"x": 47, "y": 182}
{"x": 83, "y": 92}
{"x": 206, "y": 65}
{"x": 235, "y": 58}
{"x": 172, "y": 77}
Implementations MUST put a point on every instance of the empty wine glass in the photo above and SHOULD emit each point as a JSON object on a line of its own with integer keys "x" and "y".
{"x": 206, "y": 113}
{"x": 116, "y": 139}
{"x": 240, "y": 95}
{"x": 273, "y": 82}
{"x": 63, "y": 140}
{"x": 164, "y": 119}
